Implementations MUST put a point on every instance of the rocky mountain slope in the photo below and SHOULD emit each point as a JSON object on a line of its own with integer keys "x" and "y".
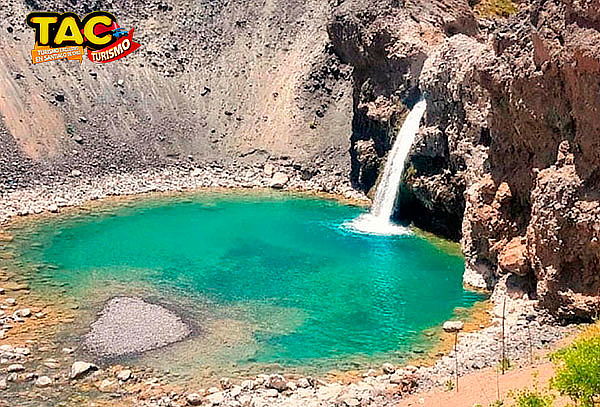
{"x": 507, "y": 159}
{"x": 220, "y": 81}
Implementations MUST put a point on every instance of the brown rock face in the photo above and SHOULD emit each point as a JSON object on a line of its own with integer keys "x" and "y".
{"x": 387, "y": 43}
{"x": 508, "y": 156}
{"x": 514, "y": 257}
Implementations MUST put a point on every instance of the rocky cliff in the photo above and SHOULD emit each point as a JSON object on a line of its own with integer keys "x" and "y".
{"x": 508, "y": 158}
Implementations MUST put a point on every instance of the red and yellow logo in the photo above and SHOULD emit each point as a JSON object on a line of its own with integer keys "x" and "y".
{"x": 65, "y": 36}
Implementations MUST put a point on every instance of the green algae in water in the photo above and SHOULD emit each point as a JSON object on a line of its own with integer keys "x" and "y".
{"x": 310, "y": 291}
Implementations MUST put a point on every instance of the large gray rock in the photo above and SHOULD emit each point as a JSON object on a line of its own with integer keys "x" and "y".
{"x": 131, "y": 325}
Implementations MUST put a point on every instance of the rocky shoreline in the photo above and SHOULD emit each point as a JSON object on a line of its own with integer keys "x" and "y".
{"x": 78, "y": 189}
{"x": 22, "y": 365}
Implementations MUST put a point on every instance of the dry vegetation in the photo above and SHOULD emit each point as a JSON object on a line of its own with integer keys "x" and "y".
{"x": 495, "y": 8}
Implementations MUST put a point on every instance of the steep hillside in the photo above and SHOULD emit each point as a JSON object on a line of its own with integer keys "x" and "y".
{"x": 215, "y": 81}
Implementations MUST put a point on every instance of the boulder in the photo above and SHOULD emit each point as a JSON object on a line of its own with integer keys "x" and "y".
{"x": 277, "y": 382}
{"x": 453, "y": 326}
{"x": 279, "y": 180}
{"x": 15, "y": 367}
{"x": 43, "y": 381}
{"x": 80, "y": 369}
{"x": 514, "y": 257}
{"x": 193, "y": 399}
{"x": 388, "y": 368}
{"x": 216, "y": 398}
{"x": 124, "y": 375}
{"x": 269, "y": 169}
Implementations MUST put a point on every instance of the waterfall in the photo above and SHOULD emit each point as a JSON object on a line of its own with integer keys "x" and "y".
{"x": 378, "y": 220}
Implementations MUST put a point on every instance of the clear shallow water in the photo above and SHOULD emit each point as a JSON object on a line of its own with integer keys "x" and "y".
{"x": 302, "y": 288}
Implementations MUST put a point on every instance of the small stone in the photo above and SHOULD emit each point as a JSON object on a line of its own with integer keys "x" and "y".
{"x": 53, "y": 208}
{"x": 108, "y": 386}
{"x": 397, "y": 378}
{"x": 277, "y": 382}
{"x": 245, "y": 400}
{"x": 388, "y": 368}
{"x": 411, "y": 368}
{"x": 75, "y": 173}
{"x": 124, "y": 375}
{"x": 68, "y": 351}
{"x": 279, "y": 180}
{"x": 43, "y": 381}
{"x": 3, "y": 384}
{"x": 11, "y": 301}
{"x": 16, "y": 367}
{"x": 216, "y": 398}
{"x": 271, "y": 393}
{"x": 225, "y": 383}
{"x": 25, "y": 312}
{"x": 80, "y": 369}
{"x": 304, "y": 383}
{"x": 194, "y": 399}
{"x": 235, "y": 391}
{"x": 52, "y": 365}
{"x": 248, "y": 384}
{"x": 370, "y": 373}
{"x": 269, "y": 169}
{"x": 453, "y": 326}
{"x": 352, "y": 402}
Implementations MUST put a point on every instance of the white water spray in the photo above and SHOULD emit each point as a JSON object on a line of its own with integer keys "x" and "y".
{"x": 378, "y": 221}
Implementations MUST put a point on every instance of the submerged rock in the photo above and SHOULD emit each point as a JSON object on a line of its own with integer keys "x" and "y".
{"x": 131, "y": 325}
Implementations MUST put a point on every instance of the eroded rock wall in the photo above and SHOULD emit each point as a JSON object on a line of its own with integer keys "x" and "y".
{"x": 507, "y": 158}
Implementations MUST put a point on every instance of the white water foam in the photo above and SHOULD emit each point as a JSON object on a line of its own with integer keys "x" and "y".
{"x": 378, "y": 220}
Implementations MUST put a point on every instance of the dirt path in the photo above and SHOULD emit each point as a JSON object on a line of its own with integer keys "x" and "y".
{"x": 481, "y": 388}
